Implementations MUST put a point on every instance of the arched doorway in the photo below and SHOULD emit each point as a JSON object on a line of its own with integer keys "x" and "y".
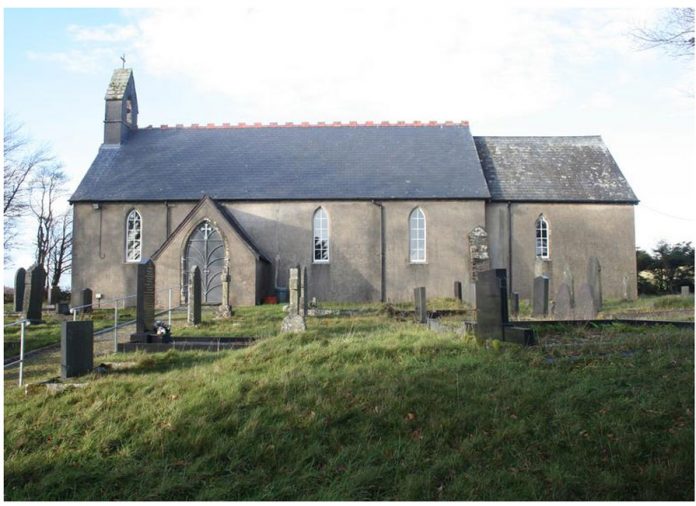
{"x": 206, "y": 249}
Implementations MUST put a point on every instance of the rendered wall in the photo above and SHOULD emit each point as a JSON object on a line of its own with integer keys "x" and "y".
{"x": 576, "y": 232}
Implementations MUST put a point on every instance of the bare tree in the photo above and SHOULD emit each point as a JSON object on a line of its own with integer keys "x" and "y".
{"x": 48, "y": 189}
{"x": 21, "y": 159}
{"x": 673, "y": 33}
{"x": 60, "y": 250}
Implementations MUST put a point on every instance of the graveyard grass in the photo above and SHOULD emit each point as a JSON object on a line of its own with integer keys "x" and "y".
{"x": 368, "y": 407}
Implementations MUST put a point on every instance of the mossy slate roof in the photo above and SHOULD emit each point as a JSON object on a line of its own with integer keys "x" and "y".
{"x": 561, "y": 169}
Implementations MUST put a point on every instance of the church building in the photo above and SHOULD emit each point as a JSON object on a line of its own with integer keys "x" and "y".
{"x": 372, "y": 210}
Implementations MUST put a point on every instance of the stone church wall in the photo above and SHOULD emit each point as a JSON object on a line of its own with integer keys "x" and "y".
{"x": 576, "y": 232}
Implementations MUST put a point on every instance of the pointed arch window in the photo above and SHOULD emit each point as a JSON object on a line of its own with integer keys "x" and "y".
{"x": 321, "y": 236}
{"x": 134, "y": 234}
{"x": 542, "y": 237}
{"x": 416, "y": 228}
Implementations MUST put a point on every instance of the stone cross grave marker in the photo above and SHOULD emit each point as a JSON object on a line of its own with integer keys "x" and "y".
{"x": 294, "y": 322}
{"x": 19, "y": 289}
{"x": 458, "y": 290}
{"x": 585, "y": 304}
{"x": 34, "y": 281}
{"x": 540, "y": 296}
{"x": 685, "y": 291}
{"x": 145, "y": 297}
{"x": 194, "y": 296}
{"x": 594, "y": 279}
{"x": 421, "y": 309}
{"x": 563, "y": 310}
{"x": 87, "y": 300}
{"x": 491, "y": 304}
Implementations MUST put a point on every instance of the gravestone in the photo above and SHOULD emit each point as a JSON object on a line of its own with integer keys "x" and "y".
{"x": 87, "y": 300}
{"x": 458, "y": 290}
{"x": 491, "y": 303}
{"x": 569, "y": 280}
{"x": 478, "y": 251}
{"x": 145, "y": 298}
{"x": 304, "y": 300}
{"x": 585, "y": 304}
{"x": 540, "y": 296}
{"x": 34, "y": 281}
{"x": 62, "y": 308}
{"x": 515, "y": 310}
{"x": 294, "y": 322}
{"x": 194, "y": 296}
{"x": 19, "y": 289}
{"x": 225, "y": 310}
{"x": 421, "y": 309}
{"x": 562, "y": 309}
{"x": 76, "y": 348}
{"x": 54, "y": 295}
{"x": 625, "y": 288}
{"x": 685, "y": 291}
{"x": 594, "y": 279}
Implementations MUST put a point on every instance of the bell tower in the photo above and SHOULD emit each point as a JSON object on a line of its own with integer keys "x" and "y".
{"x": 121, "y": 111}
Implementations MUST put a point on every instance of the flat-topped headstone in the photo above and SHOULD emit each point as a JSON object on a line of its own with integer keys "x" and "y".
{"x": 86, "y": 300}
{"x": 76, "y": 348}
{"x": 54, "y": 295}
{"x": 20, "y": 276}
{"x": 194, "y": 296}
{"x": 515, "y": 302}
{"x": 540, "y": 296}
{"x": 594, "y": 279}
{"x": 563, "y": 310}
{"x": 34, "y": 281}
{"x": 585, "y": 304}
{"x": 685, "y": 291}
{"x": 458, "y": 290}
{"x": 421, "y": 309}
{"x": 145, "y": 297}
{"x": 491, "y": 303}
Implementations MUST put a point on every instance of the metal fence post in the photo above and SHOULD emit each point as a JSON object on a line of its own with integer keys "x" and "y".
{"x": 21, "y": 352}
{"x": 74, "y": 314}
{"x": 170, "y": 309}
{"x": 116, "y": 325}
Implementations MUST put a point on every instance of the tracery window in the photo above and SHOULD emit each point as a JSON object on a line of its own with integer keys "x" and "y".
{"x": 542, "y": 238}
{"x": 416, "y": 227}
{"x": 134, "y": 229}
{"x": 321, "y": 236}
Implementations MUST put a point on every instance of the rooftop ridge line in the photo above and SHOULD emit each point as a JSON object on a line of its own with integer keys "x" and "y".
{"x": 305, "y": 124}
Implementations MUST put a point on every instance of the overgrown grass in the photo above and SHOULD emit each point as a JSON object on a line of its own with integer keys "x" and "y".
{"x": 366, "y": 407}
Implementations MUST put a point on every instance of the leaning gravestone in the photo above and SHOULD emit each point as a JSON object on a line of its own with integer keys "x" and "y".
{"x": 194, "y": 296}
{"x": 594, "y": 279}
{"x": 585, "y": 305}
{"x": 294, "y": 322}
{"x": 563, "y": 310}
{"x": 33, "y": 293}
{"x": 19, "y": 289}
{"x": 421, "y": 309}
{"x": 86, "y": 300}
{"x": 145, "y": 298}
{"x": 540, "y": 296}
{"x": 491, "y": 304}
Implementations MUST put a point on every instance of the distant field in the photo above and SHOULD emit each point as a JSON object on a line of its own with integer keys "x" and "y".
{"x": 366, "y": 407}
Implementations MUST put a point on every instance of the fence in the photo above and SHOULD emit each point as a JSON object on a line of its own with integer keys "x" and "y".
{"x": 106, "y": 340}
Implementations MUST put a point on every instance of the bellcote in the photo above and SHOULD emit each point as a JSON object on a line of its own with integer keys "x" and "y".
{"x": 121, "y": 107}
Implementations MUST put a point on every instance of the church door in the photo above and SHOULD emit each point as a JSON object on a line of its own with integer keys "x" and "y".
{"x": 206, "y": 249}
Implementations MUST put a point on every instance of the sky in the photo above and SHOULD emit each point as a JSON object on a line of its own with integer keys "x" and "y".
{"x": 508, "y": 70}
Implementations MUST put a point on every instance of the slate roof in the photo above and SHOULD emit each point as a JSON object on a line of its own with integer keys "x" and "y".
{"x": 293, "y": 163}
{"x": 562, "y": 169}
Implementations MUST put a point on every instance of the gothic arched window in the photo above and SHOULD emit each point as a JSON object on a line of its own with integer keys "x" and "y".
{"x": 542, "y": 237}
{"x": 134, "y": 235}
{"x": 416, "y": 229}
{"x": 321, "y": 236}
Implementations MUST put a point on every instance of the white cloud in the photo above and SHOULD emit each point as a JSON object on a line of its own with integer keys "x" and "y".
{"x": 78, "y": 60}
{"x": 104, "y": 33}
